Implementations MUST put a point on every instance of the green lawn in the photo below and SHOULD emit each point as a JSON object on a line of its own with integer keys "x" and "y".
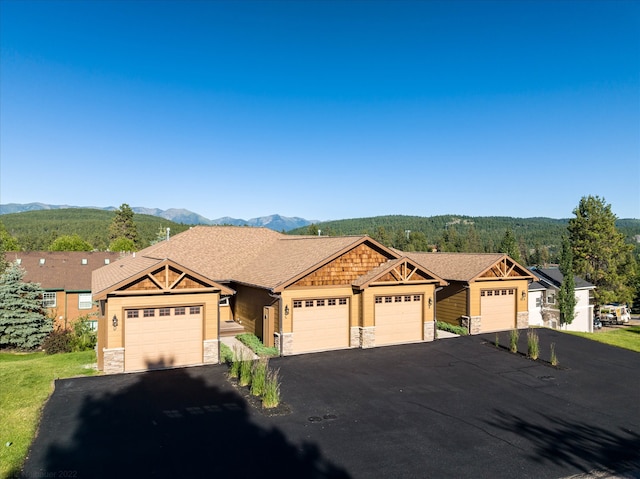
{"x": 27, "y": 382}
{"x": 628, "y": 338}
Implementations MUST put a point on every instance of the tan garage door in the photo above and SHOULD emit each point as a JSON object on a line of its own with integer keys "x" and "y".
{"x": 320, "y": 324}
{"x": 497, "y": 309}
{"x": 162, "y": 337}
{"x": 398, "y": 319}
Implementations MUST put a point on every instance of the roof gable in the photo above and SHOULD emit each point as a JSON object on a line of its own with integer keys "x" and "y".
{"x": 469, "y": 267}
{"x": 397, "y": 271}
{"x": 162, "y": 278}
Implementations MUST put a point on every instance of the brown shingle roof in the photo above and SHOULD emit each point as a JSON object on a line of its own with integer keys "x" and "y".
{"x": 456, "y": 266}
{"x": 256, "y": 256}
{"x": 61, "y": 270}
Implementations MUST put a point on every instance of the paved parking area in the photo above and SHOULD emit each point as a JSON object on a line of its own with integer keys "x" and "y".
{"x": 453, "y": 408}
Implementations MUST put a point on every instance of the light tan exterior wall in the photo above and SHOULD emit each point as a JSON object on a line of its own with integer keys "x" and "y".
{"x": 520, "y": 286}
{"x": 111, "y": 338}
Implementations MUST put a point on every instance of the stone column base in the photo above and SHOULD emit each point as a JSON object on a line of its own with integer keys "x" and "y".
{"x": 284, "y": 343}
{"x": 113, "y": 360}
{"x": 368, "y": 337}
{"x": 428, "y": 331}
{"x": 355, "y": 337}
{"x": 522, "y": 320}
{"x": 211, "y": 351}
{"x": 472, "y": 323}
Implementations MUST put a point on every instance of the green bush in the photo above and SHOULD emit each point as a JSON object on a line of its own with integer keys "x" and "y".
{"x": 83, "y": 338}
{"x": 254, "y": 343}
{"x": 59, "y": 341}
{"x": 462, "y": 331}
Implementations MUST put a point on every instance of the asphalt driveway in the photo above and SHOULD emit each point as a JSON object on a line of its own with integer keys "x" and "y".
{"x": 453, "y": 408}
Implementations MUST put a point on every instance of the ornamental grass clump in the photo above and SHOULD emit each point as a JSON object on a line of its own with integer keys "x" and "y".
{"x": 244, "y": 377}
{"x": 236, "y": 361}
{"x": 259, "y": 376}
{"x": 554, "y": 359}
{"x": 533, "y": 344}
{"x": 497, "y": 341}
{"x": 514, "y": 335}
{"x": 271, "y": 396}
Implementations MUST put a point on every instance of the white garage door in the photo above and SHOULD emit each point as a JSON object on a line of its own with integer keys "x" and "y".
{"x": 398, "y": 319}
{"x": 162, "y": 337}
{"x": 497, "y": 309}
{"x": 320, "y": 324}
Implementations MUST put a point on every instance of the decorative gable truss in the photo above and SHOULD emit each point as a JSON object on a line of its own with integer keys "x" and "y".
{"x": 168, "y": 277}
{"x": 398, "y": 271}
{"x": 505, "y": 268}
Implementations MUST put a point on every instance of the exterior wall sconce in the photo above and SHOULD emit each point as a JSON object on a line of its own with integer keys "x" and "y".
{"x": 114, "y": 321}
{"x": 523, "y": 295}
{"x": 286, "y": 310}
{"x": 430, "y": 302}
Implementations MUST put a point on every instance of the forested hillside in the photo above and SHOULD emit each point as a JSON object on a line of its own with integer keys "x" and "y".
{"x": 534, "y": 236}
{"x": 37, "y": 230}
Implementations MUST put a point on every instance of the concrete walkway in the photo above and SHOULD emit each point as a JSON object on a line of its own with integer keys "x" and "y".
{"x": 236, "y": 345}
{"x": 446, "y": 334}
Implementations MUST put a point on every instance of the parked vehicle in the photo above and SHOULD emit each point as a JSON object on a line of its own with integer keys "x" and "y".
{"x": 614, "y": 314}
{"x": 597, "y": 324}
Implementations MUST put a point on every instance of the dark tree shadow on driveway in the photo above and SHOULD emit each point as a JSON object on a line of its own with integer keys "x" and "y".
{"x": 565, "y": 442}
{"x": 174, "y": 423}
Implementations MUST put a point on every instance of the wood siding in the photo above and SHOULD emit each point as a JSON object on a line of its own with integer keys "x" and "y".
{"x": 345, "y": 269}
{"x": 248, "y": 307}
{"x": 452, "y": 303}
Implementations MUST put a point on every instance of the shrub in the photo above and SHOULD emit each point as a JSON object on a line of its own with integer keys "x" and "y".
{"x": 59, "y": 341}
{"x": 462, "y": 331}
{"x": 226, "y": 355}
{"x": 259, "y": 376}
{"x": 514, "y": 335}
{"x": 533, "y": 344}
{"x": 84, "y": 338}
{"x": 254, "y": 343}
{"x": 271, "y": 396}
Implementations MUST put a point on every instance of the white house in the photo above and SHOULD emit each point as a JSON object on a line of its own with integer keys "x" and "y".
{"x": 543, "y": 303}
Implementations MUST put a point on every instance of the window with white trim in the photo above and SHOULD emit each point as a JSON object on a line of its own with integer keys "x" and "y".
{"x": 179, "y": 311}
{"x": 320, "y": 302}
{"x": 297, "y": 303}
{"x": 148, "y": 313}
{"x": 49, "y": 300}
{"x": 194, "y": 310}
{"x": 132, "y": 313}
{"x": 342, "y": 301}
{"x": 308, "y": 304}
{"x": 164, "y": 311}
{"x": 331, "y": 302}
{"x": 84, "y": 301}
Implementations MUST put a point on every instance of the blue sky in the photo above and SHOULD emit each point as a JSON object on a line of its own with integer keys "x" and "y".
{"x": 323, "y": 110}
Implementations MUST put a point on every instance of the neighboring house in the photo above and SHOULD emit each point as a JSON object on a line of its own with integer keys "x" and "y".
{"x": 65, "y": 277}
{"x": 486, "y": 292}
{"x": 168, "y": 304}
{"x": 543, "y": 301}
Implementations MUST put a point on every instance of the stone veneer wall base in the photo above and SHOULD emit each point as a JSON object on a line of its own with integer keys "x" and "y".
{"x": 428, "y": 331}
{"x": 211, "y": 350}
{"x": 368, "y": 337}
{"x": 522, "y": 320}
{"x": 113, "y": 360}
{"x": 354, "y": 337}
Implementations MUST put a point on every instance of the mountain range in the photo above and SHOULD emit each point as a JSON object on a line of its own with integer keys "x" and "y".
{"x": 177, "y": 215}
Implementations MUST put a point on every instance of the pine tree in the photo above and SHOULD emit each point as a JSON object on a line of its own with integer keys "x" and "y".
{"x": 600, "y": 254}
{"x": 122, "y": 225}
{"x": 509, "y": 246}
{"x": 23, "y": 322}
{"x": 567, "y": 295}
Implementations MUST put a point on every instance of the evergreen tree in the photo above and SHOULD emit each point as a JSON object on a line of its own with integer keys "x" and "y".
{"x": 312, "y": 229}
{"x": 70, "y": 243}
{"x": 122, "y": 225}
{"x": 567, "y": 295}
{"x": 600, "y": 254}
{"x": 23, "y": 322}
{"x": 7, "y": 242}
{"x": 509, "y": 246}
